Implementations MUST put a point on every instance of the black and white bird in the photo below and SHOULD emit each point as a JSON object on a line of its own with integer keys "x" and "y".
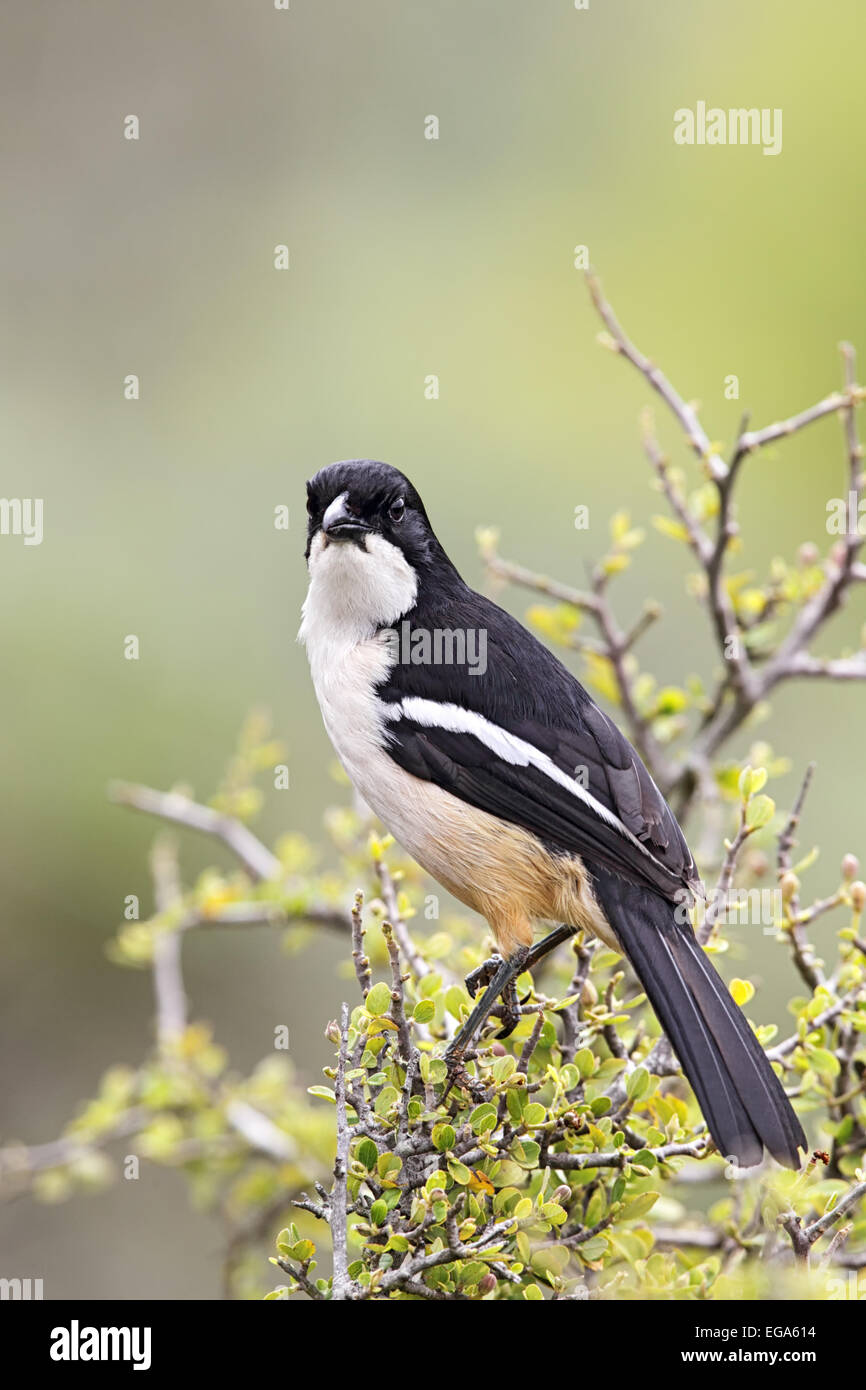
{"x": 513, "y": 789}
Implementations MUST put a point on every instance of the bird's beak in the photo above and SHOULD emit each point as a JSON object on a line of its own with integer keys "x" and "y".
{"x": 338, "y": 523}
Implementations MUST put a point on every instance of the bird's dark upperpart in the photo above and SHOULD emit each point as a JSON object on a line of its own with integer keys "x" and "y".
{"x": 513, "y": 789}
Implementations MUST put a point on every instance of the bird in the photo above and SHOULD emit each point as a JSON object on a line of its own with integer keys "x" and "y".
{"x": 504, "y": 780}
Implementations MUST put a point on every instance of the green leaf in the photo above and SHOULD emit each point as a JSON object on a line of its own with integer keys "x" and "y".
{"x": 525, "y": 1152}
{"x": 515, "y": 1101}
{"x": 554, "y": 1213}
{"x": 638, "y": 1083}
{"x": 824, "y": 1062}
{"x": 367, "y": 1154}
{"x": 760, "y": 812}
{"x": 593, "y": 1249}
{"x": 503, "y": 1068}
{"x": 751, "y": 781}
{"x": 565, "y": 1003}
{"x": 385, "y": 1099}
{"x": 585, "y": 1062}
{"x": 640, "y": 1205}
{"x": 456, "y": 1001}
{"x": 483, "y": 1119}
{"x": 444, "y": 1137}
{"x": 472, "y": 1273}
{"x": 323, "y": 1093}
{"x": 378, "y": 1001}
{"x": 388, "y": 1163}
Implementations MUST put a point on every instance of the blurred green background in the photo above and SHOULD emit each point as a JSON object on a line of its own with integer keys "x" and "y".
{"x": 408, "y": 257}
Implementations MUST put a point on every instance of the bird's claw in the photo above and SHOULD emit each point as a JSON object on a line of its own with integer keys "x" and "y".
{"x": 510, "y": 1011}
{"x": 480, "y": 977}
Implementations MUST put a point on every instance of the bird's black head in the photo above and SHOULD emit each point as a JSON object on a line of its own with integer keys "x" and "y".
{"x": 357, "y": 498}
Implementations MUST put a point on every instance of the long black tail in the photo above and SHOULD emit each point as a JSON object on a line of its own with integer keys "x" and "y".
{"x": 740, "y": 1095}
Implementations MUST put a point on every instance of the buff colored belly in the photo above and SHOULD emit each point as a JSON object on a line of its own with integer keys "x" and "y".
{"x": 495, "y": 868}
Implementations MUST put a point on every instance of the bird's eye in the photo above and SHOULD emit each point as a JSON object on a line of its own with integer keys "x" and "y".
{"x": 397, "y": 509}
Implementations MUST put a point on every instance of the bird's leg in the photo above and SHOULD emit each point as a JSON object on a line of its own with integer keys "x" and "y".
{"x": 511, "y": 1010}
{"x": 484, "y": 973}
{"x": 547, "y": 944}
{"x": 506, "y": 973}
{"x": 499, "y": 975}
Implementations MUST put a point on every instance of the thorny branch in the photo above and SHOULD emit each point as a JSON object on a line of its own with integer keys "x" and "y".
{"x": 341, "y": 1287}
{"x": 747, "y": 680}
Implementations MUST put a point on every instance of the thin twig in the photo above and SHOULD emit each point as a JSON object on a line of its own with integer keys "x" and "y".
{"x": 342, "y": 1285}
{"x": 167, "y": 964}
{"x": 359, "y": 956}
{"x": 685, "y": 413}
{"x": 180, "y": 810}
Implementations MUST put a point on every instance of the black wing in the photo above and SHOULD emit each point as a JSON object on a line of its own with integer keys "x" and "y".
{"x": 524, "y": 741}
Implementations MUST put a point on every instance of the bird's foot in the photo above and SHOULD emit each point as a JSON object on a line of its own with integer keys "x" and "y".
{"x": 481, "y": 976}
{"x": 510, "y": 1015}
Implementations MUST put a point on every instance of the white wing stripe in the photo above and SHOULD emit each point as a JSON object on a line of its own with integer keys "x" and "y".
{"x": 510, "y": 749}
